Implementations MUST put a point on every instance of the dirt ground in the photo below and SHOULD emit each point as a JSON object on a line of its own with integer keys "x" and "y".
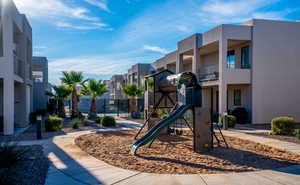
{"x": 175, "y": 155}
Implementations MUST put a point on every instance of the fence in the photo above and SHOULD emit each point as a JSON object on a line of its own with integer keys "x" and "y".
{"x": 109, "y": 106}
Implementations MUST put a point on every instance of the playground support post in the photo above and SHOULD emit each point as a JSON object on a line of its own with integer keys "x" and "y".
{"x": 202, "y": 130}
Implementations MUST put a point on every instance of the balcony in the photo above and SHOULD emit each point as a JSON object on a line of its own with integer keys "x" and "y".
{"x": 18, "y": 67}
{"x": 209, "y": 77}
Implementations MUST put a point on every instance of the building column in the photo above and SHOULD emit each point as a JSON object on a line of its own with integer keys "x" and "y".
{"x": 179, "y": 63}
{"x": 196, "y": 62}
{"x": 223, "y": 44}
{"x": 9, "y": 105}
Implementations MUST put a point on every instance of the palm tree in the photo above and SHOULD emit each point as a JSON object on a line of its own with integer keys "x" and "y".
{"x": 73, "y": 79}
{"x": 94, "y": 89}
{"x": 134, "y": 92}
{"x": 60, "y": 93}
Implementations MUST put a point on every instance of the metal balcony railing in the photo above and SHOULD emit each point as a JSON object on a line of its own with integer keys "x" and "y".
{"x": 209, "y": 77}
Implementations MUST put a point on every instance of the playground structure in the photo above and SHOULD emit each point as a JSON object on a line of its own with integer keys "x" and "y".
{"x": 179, "y": 93}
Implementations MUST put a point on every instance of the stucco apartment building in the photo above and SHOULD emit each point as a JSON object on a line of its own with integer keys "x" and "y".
{"x": 117, "y": 82}
{"x": 255, "y": 65}
{"x": 137, "y": 73}
{"x": 40, "y": 82}
{"x": 15, "y": 68}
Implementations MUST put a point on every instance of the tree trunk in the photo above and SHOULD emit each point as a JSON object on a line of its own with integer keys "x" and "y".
{"x": 74, "y": 103}
{"x": 61, "y": 108}
{"x": 93, "y": 109}
{"x": 133, "y": 107}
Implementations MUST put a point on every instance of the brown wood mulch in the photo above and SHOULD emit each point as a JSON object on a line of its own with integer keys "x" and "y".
{"x": 175, "y": 155}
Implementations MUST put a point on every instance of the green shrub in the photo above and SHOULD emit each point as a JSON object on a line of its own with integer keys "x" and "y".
{"x": 32, "y": 117}
{"x": 231, "y": 120}
{"x": 108, "y": 121}
{"x": 75, "y": 123}
{"x": 162, "y": 113}
{"x": 11, "y": 154}
{"x": 98, "y": 120}
{"x": 53, "y": 124}
{"x": 283, "y": 126}
{"x": 81, "y": 116}
{"x": 298, "y": 133}
{"x": 241, "y": 115}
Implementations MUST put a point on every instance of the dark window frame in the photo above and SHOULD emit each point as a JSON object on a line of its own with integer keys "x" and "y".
{"x": 237, "y": 97}
{"x": 245, "y": 57}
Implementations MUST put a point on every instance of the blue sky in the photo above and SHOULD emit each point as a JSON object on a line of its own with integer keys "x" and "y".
{"x": 105, "y": 37}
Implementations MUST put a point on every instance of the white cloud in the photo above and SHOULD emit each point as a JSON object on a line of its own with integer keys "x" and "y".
{"x": 102, "y": 4}
{"x": 90, "y": 26}
{"x": 221, "y": 11}
{"x": 41, "y": 9}
{"x": 171, "y": 20}
{"x": 60, "y": 13}
{"x": 155, "y": 49}
{"x": 96, "y": 65}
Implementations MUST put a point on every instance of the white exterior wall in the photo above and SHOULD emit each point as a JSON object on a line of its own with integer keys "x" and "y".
{"x": 15, "y": 66}
{"x": 275, "y": 70}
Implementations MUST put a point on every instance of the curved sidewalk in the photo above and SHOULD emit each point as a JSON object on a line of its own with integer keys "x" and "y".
{"x": 71, "y": 166}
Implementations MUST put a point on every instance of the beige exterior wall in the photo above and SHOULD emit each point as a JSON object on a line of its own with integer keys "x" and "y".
{"x": 270, "y": 87}
{"x": 276, "y": 70}
{"x": 15, "y": 67}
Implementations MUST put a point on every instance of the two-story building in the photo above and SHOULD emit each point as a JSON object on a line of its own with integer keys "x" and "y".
{"x": 15, "y": 68}
{"x": 137, "y": 73}
{"x": 255, "y": 65}
{"x": 40, "y": 83}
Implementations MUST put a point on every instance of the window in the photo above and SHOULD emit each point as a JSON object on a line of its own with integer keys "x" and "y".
{"x": 231, "y": 59}
{"x": 37, "y": 76}
{"x": 245, "y": 57}
{"x": 237, "y": 101}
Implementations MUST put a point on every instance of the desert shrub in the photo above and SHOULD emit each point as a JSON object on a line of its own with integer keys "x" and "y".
{"x": 1, "y": 123}
{"x": 283, "y": 126}
{"x": 241, "y": 115}
{"x": 81, "y": 116}
{"x": 53, "y": 124}
{"x": 162, "y": 113}
{"x": 98, "y": 120}
{"x": 11, "y": 154}
{"x": 32, "y": 117}
{"x": 108, "y": 121}
{"x": 231, "y": 120}
{"x": 75, "y": 123}
{"x": 298, "y": 133}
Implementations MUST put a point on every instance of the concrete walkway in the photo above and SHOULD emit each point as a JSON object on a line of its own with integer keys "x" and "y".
{"x": 283, "y": 145}
{"x": 71, "y": 166}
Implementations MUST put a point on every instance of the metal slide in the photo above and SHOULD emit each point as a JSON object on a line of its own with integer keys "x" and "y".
{"x": 154, "y": 131}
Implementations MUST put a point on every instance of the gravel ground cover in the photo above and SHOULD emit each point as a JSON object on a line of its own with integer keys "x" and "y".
{"x": 292, "y": 139}
{"x": 32, "y": 170}
{"x": 175, "y": 155}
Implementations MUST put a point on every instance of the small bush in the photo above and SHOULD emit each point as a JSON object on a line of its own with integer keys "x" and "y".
{"x": 75, "y": 123}
{"x": 241, "y": 115}
{"x": 32, "y": 117}
{"x": 283, "y": 126}
{"x": 98, "y": 120}
{"x": 81, "y": 116}
{"x": 53, "y": 124}
{"x": 231, "y": 120}
{"x": 108, "y": 121}
{"x": 298, "y": 133}
{"x": 11, "y": 154}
